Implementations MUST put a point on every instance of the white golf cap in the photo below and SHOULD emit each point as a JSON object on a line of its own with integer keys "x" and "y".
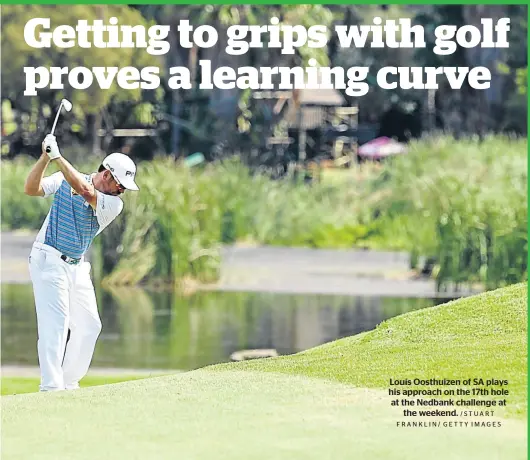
{"x": 122, "y": 168}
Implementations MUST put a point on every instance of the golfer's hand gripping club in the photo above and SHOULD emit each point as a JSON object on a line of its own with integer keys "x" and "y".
{"x": 50, "y": 147}
{"x": 50, "y": 144}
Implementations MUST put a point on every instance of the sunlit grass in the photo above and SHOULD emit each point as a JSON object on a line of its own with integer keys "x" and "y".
{"x": 305, "y": 405}
{"x": 22, "y": 385}
{"x": 482, "y": 337}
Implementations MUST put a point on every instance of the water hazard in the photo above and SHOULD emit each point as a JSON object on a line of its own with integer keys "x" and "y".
{"x": 162, "y": 330}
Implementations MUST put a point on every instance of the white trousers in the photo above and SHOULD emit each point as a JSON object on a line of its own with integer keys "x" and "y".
{"x": 64, "y": 299}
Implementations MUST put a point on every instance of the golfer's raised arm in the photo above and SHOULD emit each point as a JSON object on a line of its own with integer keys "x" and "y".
{"x": 33, "y": 184}
{"x": 77, "y": 181}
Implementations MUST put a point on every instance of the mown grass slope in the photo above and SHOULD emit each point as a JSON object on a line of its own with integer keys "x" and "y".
{"x": 483, "y": 336}
{"x": 308, "y": 406}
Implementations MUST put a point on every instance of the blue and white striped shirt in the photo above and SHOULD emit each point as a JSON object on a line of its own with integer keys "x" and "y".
{"x": 72, "y": 224}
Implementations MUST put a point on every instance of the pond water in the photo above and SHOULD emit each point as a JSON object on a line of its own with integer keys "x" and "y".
{"x": 165, "y": 330}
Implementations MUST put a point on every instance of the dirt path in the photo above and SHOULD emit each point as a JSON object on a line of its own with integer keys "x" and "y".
{"x": 282, "y": 270}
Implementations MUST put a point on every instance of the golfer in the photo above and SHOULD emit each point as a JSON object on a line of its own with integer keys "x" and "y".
{"x": 82, "y": 207}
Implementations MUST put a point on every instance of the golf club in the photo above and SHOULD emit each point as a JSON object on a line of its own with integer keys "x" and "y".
{"x": 68, "y": 106}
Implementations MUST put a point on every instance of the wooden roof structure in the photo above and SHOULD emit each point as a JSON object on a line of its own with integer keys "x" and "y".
{"x": 306, "y": 108}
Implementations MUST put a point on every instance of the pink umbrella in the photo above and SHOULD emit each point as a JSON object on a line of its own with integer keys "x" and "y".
{"x": 381, "y": 147}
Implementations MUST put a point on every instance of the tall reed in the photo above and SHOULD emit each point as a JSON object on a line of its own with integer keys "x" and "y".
{"x": 461, "y": 203}
{"x": 465, "y": 204}
{"x": 19, "y": 210}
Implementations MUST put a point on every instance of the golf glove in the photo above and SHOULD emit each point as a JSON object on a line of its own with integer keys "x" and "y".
{"x": 50, "y": 147}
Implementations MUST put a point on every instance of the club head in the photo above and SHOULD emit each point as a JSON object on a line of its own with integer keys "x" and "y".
{"x": 67, "y": 105}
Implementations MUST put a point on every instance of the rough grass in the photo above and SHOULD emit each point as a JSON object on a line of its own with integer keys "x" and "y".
{"x": 305, "y": 406}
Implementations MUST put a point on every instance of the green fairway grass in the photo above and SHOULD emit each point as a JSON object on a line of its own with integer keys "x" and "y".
{"x": 330, "y": 402}
{"x": 483, "y": 336}
{"x": 21, "y": 385}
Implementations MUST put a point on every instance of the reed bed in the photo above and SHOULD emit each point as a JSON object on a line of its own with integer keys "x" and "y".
{"x": 463, "y": 203}
{"x": 460, "y": 203}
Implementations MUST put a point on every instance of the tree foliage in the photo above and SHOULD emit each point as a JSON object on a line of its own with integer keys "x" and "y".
{"x": 16, "y": 54}
{"x": 214, "y": 116}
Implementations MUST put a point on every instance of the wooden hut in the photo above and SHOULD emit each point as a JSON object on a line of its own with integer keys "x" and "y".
{"x": 318, "y": 123}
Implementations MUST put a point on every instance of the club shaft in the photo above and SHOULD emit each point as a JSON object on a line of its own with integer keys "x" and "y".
{"x": 57, "y": 117}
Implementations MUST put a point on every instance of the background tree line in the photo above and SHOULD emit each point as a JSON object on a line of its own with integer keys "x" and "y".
{"x": 186, "y": 121}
